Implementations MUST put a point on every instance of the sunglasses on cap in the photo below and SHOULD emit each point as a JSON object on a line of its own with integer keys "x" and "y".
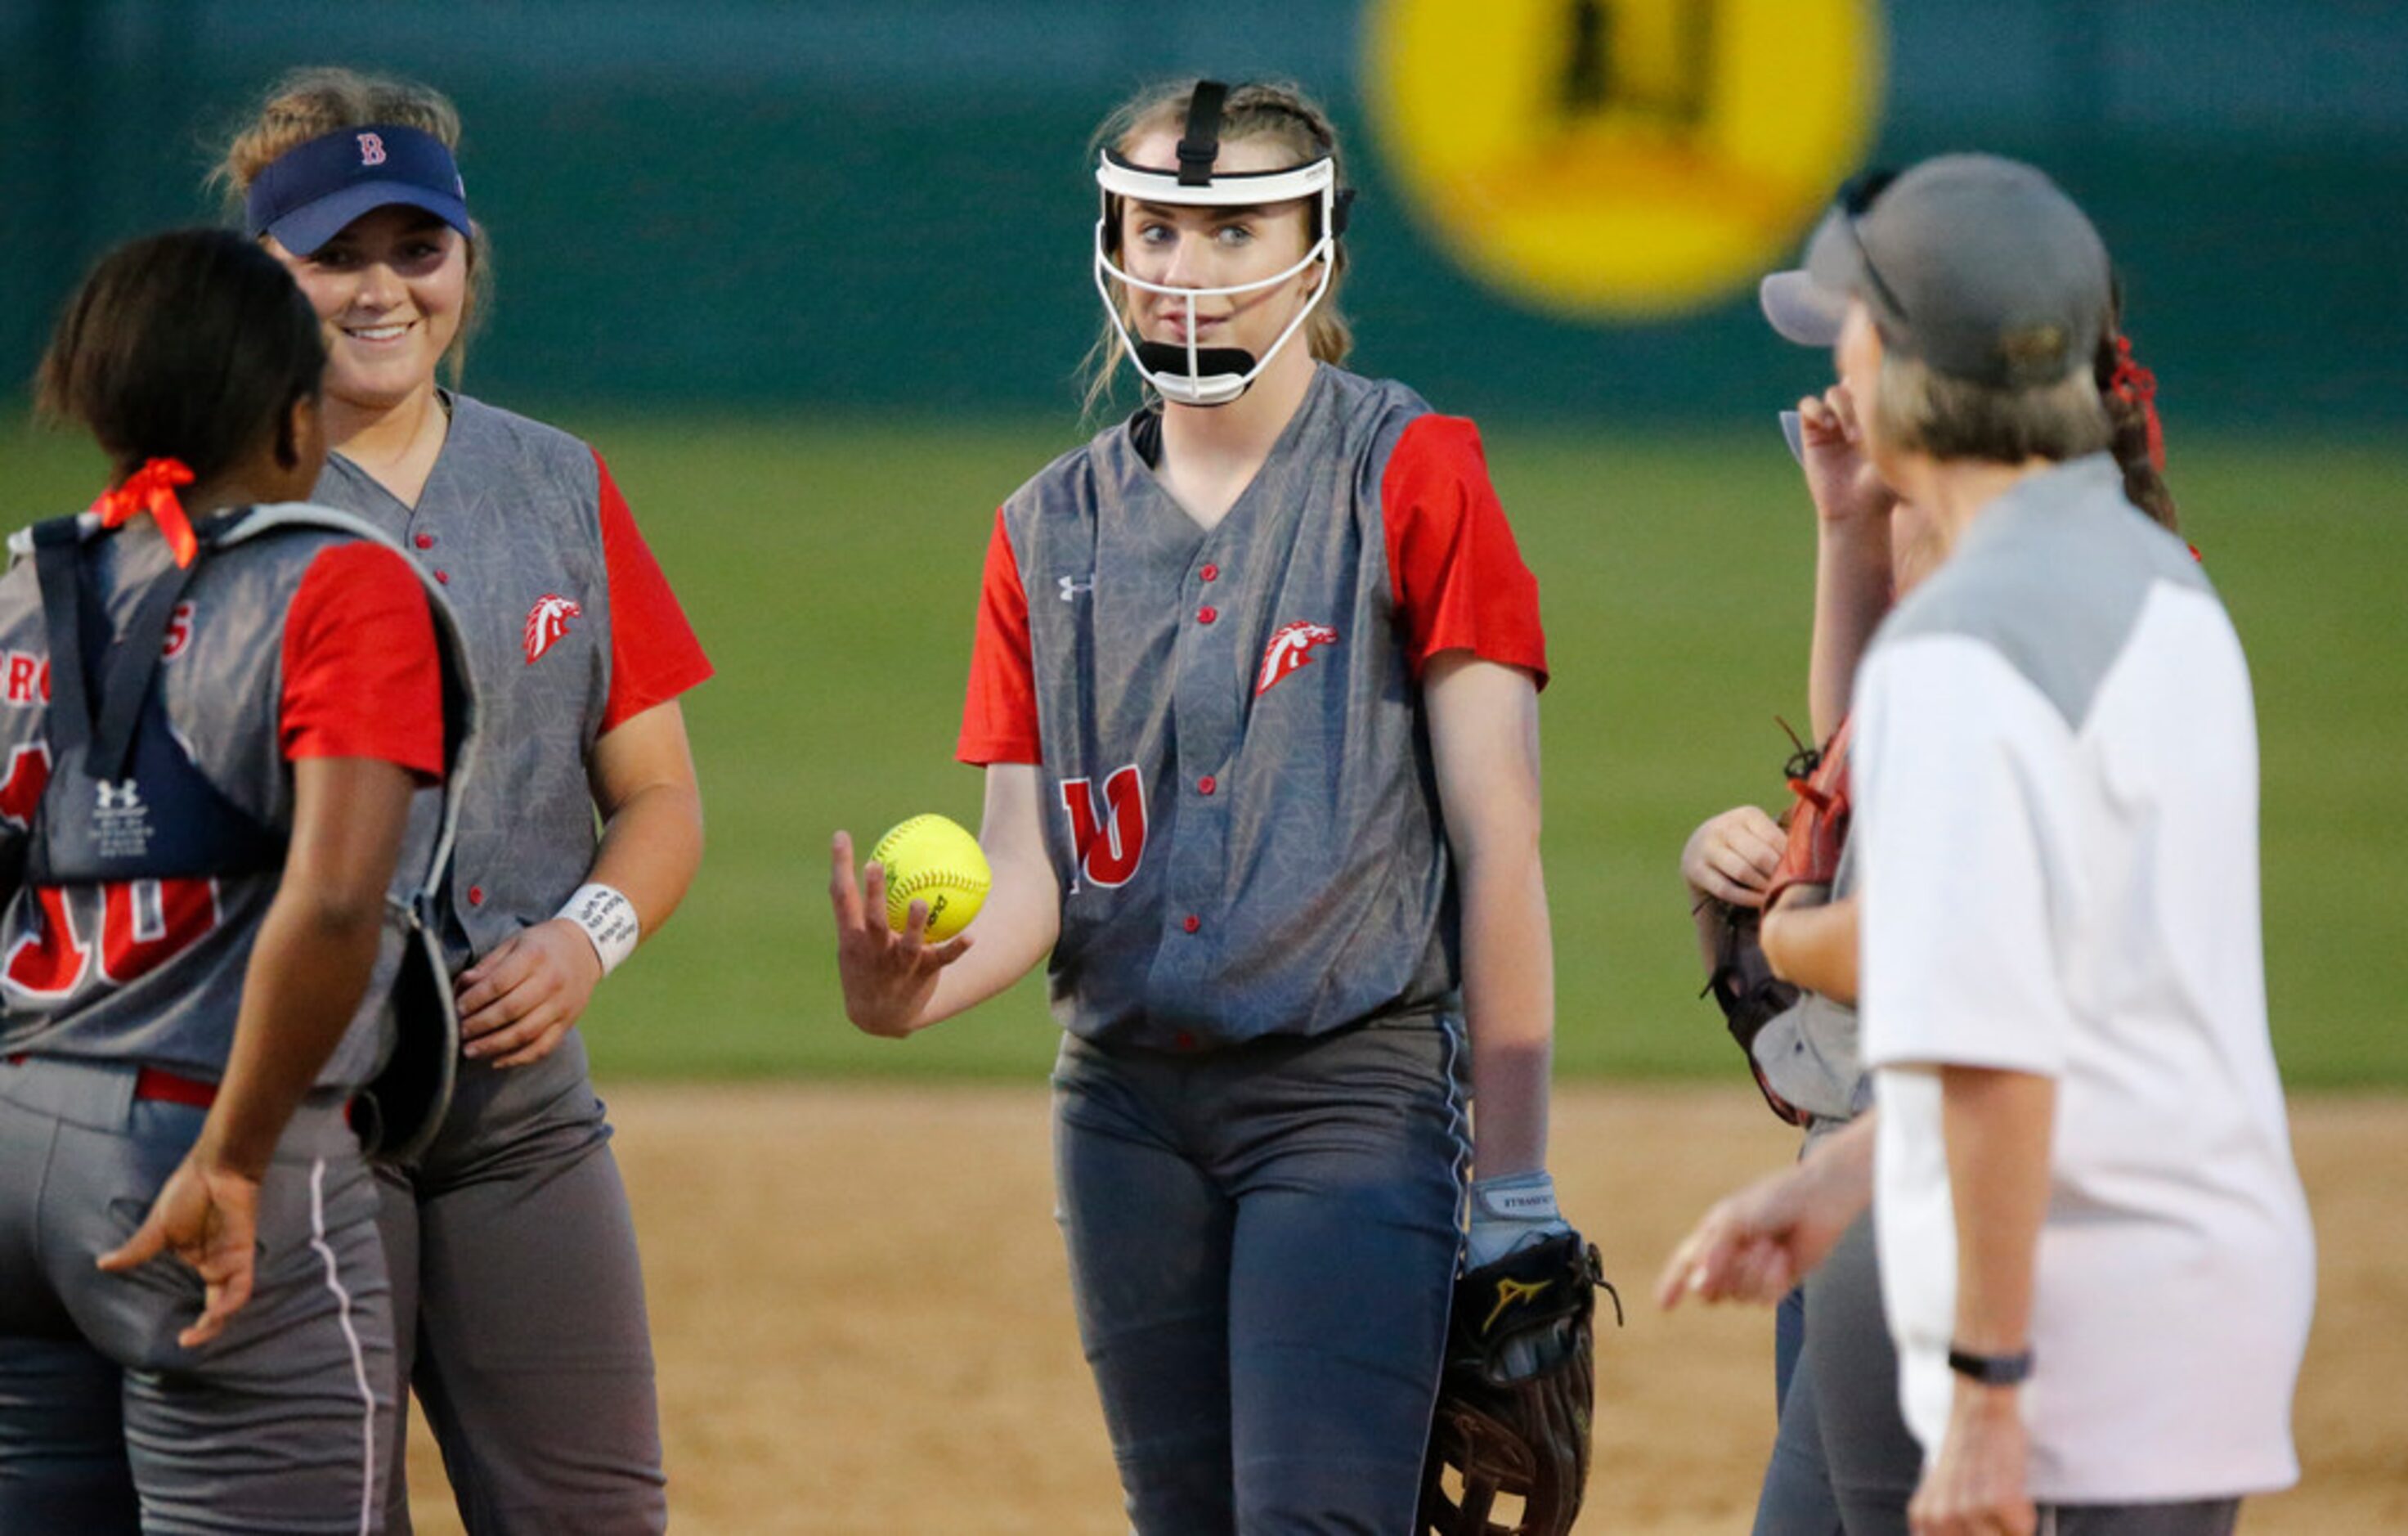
{"x": 1856, "y": 199}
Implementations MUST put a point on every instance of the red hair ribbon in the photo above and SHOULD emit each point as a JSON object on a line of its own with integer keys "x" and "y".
{"x": 153, "y": 489}
{"x": 2136, "y": 385}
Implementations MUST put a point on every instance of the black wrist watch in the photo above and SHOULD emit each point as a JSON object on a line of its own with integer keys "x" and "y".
{"x": 1991, "y": 1370}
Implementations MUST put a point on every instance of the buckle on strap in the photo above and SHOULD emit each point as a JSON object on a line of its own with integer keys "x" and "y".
{"x": 1199, "y": 145}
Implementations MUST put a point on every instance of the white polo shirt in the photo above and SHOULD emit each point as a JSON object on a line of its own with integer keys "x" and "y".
{"x": 2056, "y": 806}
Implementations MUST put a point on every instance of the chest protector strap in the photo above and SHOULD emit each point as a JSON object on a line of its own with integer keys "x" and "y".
{"x": 125, "y": 801}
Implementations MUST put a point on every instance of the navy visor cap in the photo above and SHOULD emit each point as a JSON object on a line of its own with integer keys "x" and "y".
{"x": 309, "y": 193}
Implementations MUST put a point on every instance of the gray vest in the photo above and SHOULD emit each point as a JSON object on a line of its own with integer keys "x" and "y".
{"x": 511, "y": 522}
{"x": 152, "y": 970}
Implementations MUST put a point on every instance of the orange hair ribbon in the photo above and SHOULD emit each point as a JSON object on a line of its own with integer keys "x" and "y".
{"x": 153, "y": 489}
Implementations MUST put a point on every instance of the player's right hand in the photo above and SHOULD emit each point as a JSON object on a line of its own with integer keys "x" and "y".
{"x": 207, "y": 1217}
{"x": 888, "y": 976}
{"x": 1839, "y": 475}
{"x": 1731, "y": 857}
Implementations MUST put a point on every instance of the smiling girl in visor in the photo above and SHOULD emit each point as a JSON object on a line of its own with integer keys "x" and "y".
{"x": 519, "y": 1303}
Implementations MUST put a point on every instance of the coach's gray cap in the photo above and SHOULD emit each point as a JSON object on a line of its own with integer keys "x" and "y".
{"x": 1977, "y": 265}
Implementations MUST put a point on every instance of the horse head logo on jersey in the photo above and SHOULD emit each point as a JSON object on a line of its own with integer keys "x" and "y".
{"x": 547, "y": 622}
{"x": 1290, "y": 648}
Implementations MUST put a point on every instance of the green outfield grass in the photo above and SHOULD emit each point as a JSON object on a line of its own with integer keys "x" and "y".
{"x": 832, "y": 567}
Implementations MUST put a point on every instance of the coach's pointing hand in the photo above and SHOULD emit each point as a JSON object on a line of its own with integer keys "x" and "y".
{"x": 888, "y": 977}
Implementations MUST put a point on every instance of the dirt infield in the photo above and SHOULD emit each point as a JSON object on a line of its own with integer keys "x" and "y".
{"x": 863, "y": 1325}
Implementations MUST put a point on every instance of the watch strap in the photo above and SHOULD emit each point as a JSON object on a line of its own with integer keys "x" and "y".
{"x": 1991, "y": 1370}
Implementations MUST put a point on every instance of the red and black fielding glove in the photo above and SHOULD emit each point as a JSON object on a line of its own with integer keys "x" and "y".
{"x": 1818, "y": 821}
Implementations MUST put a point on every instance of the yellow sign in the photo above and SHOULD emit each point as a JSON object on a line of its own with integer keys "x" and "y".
{"x": 1623, "y": 159}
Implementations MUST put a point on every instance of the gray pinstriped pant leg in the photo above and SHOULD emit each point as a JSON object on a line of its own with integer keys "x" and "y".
{"x": 531, "y": 1350}
{"x": 278, "y": 1425}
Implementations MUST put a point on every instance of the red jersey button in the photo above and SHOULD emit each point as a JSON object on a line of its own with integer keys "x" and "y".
{"x": 1184, "y": 1040}
{"x": 476, "y": 895}
{"x": 425, "y": 541}
{"x": 1192, "y": 924}
{"x": 1211, "y": 573}
{"x": 443, "y": 578}
{"x": 1206, "y": 615}
{"x": 1207, "y": 784}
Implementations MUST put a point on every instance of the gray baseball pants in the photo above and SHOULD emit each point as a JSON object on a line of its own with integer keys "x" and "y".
{"x": 523, "y": 1305}
{"x": 107, "y": 1426}
{"x": 1843, "y": 1458}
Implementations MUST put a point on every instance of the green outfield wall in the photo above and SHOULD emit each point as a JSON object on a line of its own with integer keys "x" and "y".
{"x": 886, "y": 205}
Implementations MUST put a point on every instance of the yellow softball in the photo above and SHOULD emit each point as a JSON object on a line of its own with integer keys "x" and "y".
{"x": 934, "y": 860}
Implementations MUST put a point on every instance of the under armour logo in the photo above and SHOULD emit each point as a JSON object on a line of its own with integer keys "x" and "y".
{"x": 1072, "y": 586}
{"x": 371, "y": 149}
{"x": 124, "y": 795}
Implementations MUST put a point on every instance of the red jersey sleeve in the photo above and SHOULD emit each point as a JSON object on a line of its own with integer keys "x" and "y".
{"x": 1453, "y": 569}
{"x": 361, "y": 679}
{"x": 654, "y": 655}
{"x": 999, "y": 716}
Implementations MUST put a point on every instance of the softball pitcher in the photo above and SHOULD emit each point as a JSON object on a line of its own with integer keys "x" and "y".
{"x": 516, "y": 1277}
{"x": 215, "y": 715}
{"x": 1255, "y": 686}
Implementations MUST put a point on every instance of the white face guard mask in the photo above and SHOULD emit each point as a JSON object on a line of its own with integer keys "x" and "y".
{"x": 1187, "y": 374}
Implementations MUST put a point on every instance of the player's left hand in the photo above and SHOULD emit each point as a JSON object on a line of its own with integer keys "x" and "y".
{"x": 517, "y": 1003}
{"x": 209, "y": 1218}
{"x": 1975, "y": 1486}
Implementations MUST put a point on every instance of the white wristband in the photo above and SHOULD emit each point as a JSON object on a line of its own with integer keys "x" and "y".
{"x": 608, "y": 919}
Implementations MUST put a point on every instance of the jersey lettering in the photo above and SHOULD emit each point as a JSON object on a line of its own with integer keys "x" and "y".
{"x": 28, "y": 680}
{"x": 1107, "y": 832}
{"x": 144, "y": 924}
{"x": 179, "y": 631}
{"x": 20, "y": 793}
{"x": 48, "y": 964}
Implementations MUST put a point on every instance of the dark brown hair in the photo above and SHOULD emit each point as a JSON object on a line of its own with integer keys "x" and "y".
{"x": 2136, "y": 438}
{"x": 191, "y": 345}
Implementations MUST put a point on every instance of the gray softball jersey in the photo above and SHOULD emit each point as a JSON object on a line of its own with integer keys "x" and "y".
{"x": 1240, "y": 796}
{"x": 511, "y": 522}
{"x": 222, "y": 688}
